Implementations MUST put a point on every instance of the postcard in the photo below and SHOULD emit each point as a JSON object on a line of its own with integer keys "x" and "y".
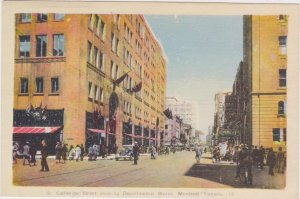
{"x": 150, "y": 100}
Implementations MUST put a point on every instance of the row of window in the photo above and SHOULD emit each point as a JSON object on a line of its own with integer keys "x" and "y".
{"x": 40, "y": 17}
{"x": 41, "y": 45}
{"x": 39, "y": 85}
{"x": 97, "y": 94}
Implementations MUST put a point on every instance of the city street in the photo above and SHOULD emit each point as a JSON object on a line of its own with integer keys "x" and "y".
{"x": 167, "y": 171}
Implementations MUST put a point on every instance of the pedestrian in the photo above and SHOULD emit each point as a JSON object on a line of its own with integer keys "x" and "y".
{"x": 198, "y": 153}
{"x": 32, "y": 153}
{"x": 95, "y": 151}
{"x": 255, "y": 156}
{"x": 102, "y": 149}
{"x": 44, "y": 153}
{"x": 153, "y": 152}
{"x": 135, "y": 152}
{"x": 71, "y": 153}
{"x": 58, "y": 151}
{"x": 15, "y": 152}
{"x": 280, "y": 159}
{"x": 82, "y": 152}
{"x": 26, "y": 155}
{"x": 77, "y": 152}
{"x": 261, "y": 157}
{"x": 271, "y": 161}
{"x": 64, "y": 151}
{"x": 90, "y": 153}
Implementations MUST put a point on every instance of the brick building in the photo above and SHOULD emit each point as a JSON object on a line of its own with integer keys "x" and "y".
{"x": 88, "y": 78}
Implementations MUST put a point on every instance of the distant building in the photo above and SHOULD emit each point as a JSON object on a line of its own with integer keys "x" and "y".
{"x": 219, "y": 115}
{"x": 173, "y": 128}
{"x": 187, "y": 111}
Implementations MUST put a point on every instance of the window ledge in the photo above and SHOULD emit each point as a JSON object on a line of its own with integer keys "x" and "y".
{"x": 53, "y": 94}
{"x": 23, "y": 94}
{"x": 96, "y": 101}
{"x": 38, "y": 94}
{"x": 281, "y": 115}
{"x": 40, "y": 59}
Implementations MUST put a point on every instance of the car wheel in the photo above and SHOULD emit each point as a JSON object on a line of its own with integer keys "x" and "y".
{"x": 117, "y": 159}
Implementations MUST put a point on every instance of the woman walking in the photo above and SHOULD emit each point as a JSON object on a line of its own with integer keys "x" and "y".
{"x": 64, "y": 151}
{"x": 58, "y": 150}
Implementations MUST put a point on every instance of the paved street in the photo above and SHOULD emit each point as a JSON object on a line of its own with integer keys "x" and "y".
{"x": 172, "y": 171}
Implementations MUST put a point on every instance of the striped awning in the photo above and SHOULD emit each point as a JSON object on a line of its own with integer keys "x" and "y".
{"x": 35, "y": 130}
{"x": 99, "y": 131}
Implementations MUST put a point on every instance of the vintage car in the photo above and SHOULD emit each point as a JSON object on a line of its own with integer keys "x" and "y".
{"x": 126, "y": 153}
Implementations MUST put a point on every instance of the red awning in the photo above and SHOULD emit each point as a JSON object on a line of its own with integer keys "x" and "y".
{"x": 99, "y": 131}
{"x": 35, "y": 130}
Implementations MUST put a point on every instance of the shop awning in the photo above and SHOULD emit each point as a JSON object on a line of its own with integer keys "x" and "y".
{"x": 100, "y": 131}
{"x": 35, "y": 130}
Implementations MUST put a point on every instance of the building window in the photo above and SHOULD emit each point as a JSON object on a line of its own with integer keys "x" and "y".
{"x": 101, "y": 95}
{"x": 59, "y": 17}
{"x": 117, "y": 46}
{"x": 42, "y": 17}
{"x": 284, "y": 134}
{"x": 96, "y": 57}
{"x": 97, "y": 22}
{"x": 96, "y": 93}
{"x": 25, "y": 46}
{"x": 90, "y": 52}
{"x": 39, "y": 81}
{"x": 54, "y": 85}
{"x": 117, "y": 72}
{"x": 103, "y": 30}
{"x": 276, "y": 134}
{"x": 281, "y": 110}
{"x": 92, "y": 18}
{"x": 113, "y": 42}
{"x": 282, "y": 18}
{"x": 102, "y": 61}
{"x": 24, "y": 85}
{"x": 25, "y": 18}
{"x": 282, "y": 77}
{"x": 282, "y": 44}
{"x": 41, "y": 45}
{"x": 90, "y": 90}
{"x": 112, "y": 72}
{"x": 58, "y": 45}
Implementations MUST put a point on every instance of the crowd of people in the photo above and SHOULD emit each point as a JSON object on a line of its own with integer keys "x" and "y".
{"x": 254, "y": 156}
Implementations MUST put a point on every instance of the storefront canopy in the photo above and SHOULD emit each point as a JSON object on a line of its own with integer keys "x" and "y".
{"x": 99, "y": 131}
{"x": 35, "y": 130}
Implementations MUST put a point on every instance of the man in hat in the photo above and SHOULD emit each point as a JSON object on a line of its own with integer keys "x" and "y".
{"x": 136, "y": 150}
{"x": 44, "y": 153}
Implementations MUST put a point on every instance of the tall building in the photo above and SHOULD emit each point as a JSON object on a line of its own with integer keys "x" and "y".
{"x": 187, "y": 111}
{"x": 265, "y": 65}
{"x": 219, "y": 115}
{"x": 88, "y": 78}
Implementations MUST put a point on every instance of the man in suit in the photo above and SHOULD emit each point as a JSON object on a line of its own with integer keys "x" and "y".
{"x": 136, "y": 152}
{"x": 44, "y": 153}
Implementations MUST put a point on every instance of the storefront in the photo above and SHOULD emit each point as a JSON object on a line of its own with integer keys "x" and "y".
{"x": 36, "y": 124}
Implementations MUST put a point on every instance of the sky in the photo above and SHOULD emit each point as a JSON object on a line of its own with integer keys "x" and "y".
{"x": 203, "y": 55}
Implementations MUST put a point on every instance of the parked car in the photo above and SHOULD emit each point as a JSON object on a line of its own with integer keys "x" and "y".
{"x": 126, "y": 153}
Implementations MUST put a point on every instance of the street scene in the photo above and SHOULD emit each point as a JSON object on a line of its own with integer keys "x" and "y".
{"x": 167, "y": 171}
{"x": 122, "y": 100}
